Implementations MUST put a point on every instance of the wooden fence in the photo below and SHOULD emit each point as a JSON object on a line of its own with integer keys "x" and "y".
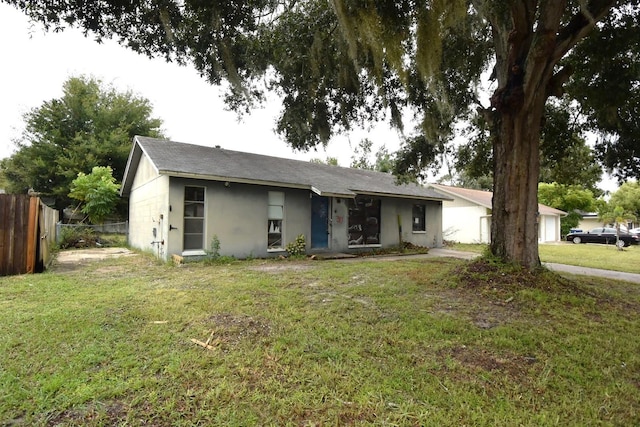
{"x": 27, "y": 232}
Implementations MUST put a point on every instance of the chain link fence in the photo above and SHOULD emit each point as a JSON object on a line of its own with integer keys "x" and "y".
{"x": 110, "y": 228}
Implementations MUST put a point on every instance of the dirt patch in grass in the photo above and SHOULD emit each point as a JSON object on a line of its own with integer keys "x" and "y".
{"x": 480, "y": 312}
{"x": 70, "y": 260}
{"x": 490, "y": 295}
{"x": 501, "y": 282}
{"x": 230, "y": 329}
{"x": 480, "y": 274}
{"x": 109, "y": 413}
{"x": 480, "y": 359}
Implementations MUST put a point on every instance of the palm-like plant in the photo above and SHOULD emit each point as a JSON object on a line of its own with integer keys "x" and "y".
{"x": 617, "y": 215}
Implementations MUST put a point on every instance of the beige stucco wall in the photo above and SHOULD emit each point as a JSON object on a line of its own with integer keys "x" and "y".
{"x": 390, "y": 208}
{"x": 148, "y": 208}
{"x": 466, "y": 222}
{"x": 587, "y": 224}
{"x": 237, "y": 215}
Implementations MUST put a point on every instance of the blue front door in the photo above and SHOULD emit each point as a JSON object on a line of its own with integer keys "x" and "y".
{"x": 319, "y": 222}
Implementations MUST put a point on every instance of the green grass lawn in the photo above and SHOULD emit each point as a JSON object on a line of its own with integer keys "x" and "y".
{"x": 606, "y": 257}
{"x": 316, "y": 343}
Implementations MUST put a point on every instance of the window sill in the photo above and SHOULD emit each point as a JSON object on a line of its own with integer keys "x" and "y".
{"x": 276, "y": 250}
{"x": 420, "y": 232}
{"x": 194, "y": 252}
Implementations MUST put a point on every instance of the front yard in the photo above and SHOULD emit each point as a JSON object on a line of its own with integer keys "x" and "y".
{"x": 316, "y": 343}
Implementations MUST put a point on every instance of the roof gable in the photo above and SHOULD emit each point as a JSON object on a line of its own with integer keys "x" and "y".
{"x": 484, "y": 198}
{"x": 202, "y": 162}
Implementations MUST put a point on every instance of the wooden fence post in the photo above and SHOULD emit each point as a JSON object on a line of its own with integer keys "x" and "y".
{"x": 32, "y": 234}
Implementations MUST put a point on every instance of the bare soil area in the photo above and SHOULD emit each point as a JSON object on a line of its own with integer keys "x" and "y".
{"x": 73, "y": 258}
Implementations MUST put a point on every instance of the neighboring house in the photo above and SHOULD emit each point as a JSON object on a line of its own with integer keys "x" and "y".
{"x": 591, "y": 220}
{"x": 588, "y": 221}
{"x": 183, "y": 196}
{"x": 467, "y": 218}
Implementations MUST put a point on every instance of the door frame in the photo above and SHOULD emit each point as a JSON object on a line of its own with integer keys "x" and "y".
{"x": 314, "y": 219}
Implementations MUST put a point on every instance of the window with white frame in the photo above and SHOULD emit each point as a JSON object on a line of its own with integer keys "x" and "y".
{"x": 419, "y": 219}
{"x": 193, "y": 236}
{"x": 275, "y": 220}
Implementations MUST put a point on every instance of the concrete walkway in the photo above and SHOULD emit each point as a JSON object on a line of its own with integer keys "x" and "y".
{"x": 586, "y": 271}
{"x": 560, "y": 268}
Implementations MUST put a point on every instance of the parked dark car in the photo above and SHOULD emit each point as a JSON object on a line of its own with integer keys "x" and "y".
{"x": 604, "y": 235}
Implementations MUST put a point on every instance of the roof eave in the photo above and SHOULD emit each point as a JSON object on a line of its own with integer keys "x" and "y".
{"x": 460, "y": 196}
{"x": 400, "y": 196}
{"x": 135, "y": 155}
{"x": 207, "y": 177}
{"x": 129, "y": 171}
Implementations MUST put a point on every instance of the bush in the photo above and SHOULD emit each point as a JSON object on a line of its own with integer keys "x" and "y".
{"x": 87, "y": 237}
{"x": 78, "y": 237}
{"x": 298, "y": 247}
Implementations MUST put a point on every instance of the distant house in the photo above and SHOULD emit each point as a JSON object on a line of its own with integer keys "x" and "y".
{"x": 183, "y": 196}
{"x": 588, "y": 221}
{"x": 467, "y": 217}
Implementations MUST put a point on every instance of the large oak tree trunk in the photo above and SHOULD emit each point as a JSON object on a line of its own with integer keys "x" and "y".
{"x": 529, "y": 42}
{"x": 524, "y": 67}
{"x": 515, "y": 216}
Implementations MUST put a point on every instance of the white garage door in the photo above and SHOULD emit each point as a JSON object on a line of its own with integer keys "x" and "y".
{"x": 549, "y": 229}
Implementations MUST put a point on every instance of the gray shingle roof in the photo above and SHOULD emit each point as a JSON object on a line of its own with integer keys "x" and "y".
{"x": 197, "y": 161}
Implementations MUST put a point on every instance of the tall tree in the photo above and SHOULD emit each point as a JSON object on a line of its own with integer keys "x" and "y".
{"x": 331, "y": 161}
{"x": 3, "y": 179}
{"x": 606, "y": 82}
{"x": 90, "y": 125}
{"x": 361, "y": 158}
{"x": 340, "y": 62}
{"x": 627, "y": 196}
{"x": 565, "y": 157}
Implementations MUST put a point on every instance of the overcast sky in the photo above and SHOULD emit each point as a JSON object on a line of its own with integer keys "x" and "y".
{"x": 36, "y": 64}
